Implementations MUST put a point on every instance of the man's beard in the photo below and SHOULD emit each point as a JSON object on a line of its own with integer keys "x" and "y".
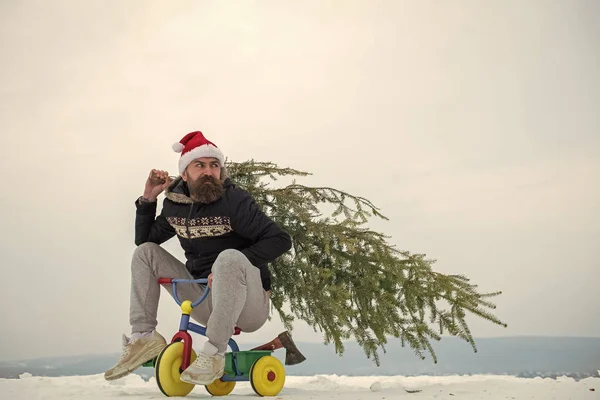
{"x": 205, "y": 189}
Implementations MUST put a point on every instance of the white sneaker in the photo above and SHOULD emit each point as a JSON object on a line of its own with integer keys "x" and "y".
{"x": 208, "y": 367}
{"x": 136, "y": 351}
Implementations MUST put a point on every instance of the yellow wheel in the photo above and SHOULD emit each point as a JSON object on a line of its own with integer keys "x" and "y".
{"x": 220, "y": 388}
{"x": 267, "y": 376}
{"x": 168, "y": 370}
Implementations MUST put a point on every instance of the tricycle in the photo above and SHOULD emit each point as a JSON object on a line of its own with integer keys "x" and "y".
{"x": 265, "y": 372}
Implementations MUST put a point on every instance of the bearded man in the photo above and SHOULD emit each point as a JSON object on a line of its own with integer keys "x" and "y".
{"x": 226, "y": 238}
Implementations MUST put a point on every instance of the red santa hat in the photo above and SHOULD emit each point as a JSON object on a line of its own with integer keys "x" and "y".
{"x": 194, "y": 145}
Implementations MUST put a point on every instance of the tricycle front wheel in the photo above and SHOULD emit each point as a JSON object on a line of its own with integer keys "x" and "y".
{"x": 168, "y": 370}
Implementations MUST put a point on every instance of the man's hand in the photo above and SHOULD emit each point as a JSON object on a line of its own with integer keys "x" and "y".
{"x": 156, "y": 183}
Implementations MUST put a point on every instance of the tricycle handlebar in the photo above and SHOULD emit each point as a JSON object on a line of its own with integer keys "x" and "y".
{"x": 174, "y": 282}
{"x": 163, "y": 281}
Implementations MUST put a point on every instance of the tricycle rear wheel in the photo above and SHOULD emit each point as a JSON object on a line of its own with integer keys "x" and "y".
{"x": 267, "y": 376}
{"x": 220, "y": 388}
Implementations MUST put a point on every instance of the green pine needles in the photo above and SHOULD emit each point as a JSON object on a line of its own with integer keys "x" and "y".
{"x": 346, "y": 280}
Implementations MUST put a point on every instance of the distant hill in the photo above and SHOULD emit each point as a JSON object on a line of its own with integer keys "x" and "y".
{"x": 519, "y": 356}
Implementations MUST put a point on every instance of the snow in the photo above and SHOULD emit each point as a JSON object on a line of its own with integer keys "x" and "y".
{"x": 94, "y": 387}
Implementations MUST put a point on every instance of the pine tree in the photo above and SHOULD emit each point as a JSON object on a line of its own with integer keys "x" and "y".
{"x": 348, "y": 281}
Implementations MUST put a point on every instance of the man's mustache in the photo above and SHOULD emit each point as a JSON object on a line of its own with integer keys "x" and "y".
{"x": 208, "y": 178}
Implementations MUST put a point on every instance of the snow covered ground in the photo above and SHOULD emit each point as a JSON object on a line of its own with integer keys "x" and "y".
{"x": 317, "y": 387}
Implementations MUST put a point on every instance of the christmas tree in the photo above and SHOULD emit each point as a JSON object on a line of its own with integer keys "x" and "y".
{"x": 348, "y": 281}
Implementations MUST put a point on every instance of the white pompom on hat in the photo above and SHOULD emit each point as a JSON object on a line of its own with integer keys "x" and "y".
{"x": 194, "y": 145}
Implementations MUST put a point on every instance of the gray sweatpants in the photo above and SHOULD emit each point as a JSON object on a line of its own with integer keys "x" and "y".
{"x": 237, "y": 297}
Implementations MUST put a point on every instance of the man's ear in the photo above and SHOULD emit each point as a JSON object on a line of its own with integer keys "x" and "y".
{"x": 184, "y": 175}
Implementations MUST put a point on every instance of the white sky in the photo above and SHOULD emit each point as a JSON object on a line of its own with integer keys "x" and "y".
{"x": 473, "y": 125}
